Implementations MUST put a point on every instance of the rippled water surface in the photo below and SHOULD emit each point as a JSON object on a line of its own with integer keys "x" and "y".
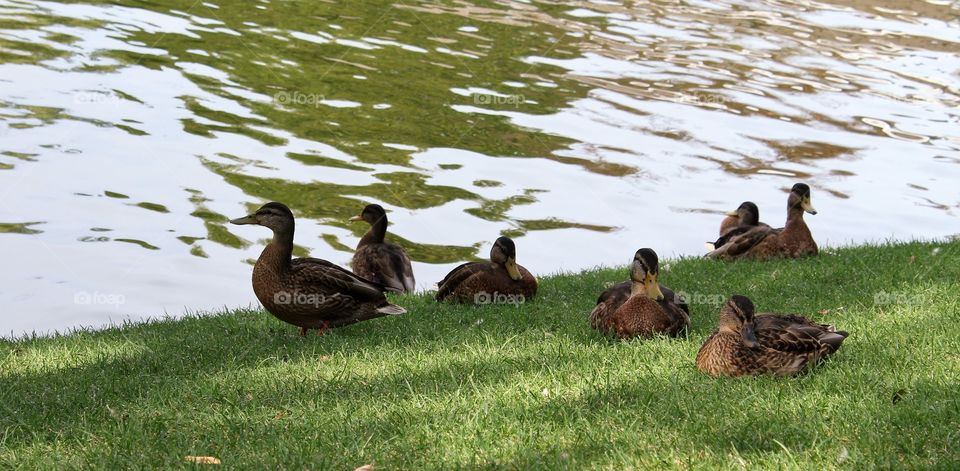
{"x": 130, "y": 131}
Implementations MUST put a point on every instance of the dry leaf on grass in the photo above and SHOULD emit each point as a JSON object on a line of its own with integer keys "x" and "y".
{"x": 201, "y": 459}
{"x": 366, "y": 467}
{"x": 824, "y": 312}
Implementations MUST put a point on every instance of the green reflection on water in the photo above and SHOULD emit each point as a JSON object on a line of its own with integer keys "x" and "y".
{"x": 387, "y": 73}
{"x": 141, "y": 243}
{"x": 19, "y": 227}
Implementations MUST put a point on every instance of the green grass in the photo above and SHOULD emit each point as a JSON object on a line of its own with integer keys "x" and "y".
{"x": 511, "y": 387}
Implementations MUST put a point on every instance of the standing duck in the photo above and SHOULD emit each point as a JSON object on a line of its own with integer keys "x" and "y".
{"x": 379, "y": 261}
{"x": 486, "y": 282}
{"x": 647, "y": 311}
{"x": 763, "y": 242}
{"x": 309, "y": 292}
{"x": 748, "y": 344}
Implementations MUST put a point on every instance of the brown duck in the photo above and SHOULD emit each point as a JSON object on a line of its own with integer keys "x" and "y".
{"x": 748, "y": 344}
{"x": 647, "y": 311}
{"x": 309, "y": 292}
{"x": 485, "y": 282}
{"x": 762, "y": 242}
{"x": 747, "y": 214}
{"x": 743, "y": 219}
{"x": 379, "y": 261}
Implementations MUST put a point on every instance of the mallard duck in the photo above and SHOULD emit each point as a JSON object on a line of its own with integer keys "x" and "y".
{"x": 736, "y": 222}
{"x": 379, "y": 261}
{"x": 614, "y": 296}
{"x": 309, "y": 292}
{"x": 647, "y": 311}
{"x": 748, "y": 344}
{"x": 747, "y": 214}
{"x": 763, "y": 242}
{"x": 487, "y": 282}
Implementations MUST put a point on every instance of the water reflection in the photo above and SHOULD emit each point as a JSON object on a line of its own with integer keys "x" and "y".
{"x": 135, "y": 131}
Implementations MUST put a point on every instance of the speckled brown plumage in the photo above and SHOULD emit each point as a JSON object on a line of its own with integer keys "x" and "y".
{"x": 647, "y": 309}
{"x": 489, "y": 282}
{"x": 781, "y": 345}
{"x": 763, "y": 242}
{"x": 613, "y": 297}
{"x": 379, "y": 261}
{"x": 309, "y": 292}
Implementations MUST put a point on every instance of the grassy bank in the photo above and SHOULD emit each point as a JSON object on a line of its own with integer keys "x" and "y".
{"x": 512, "y": 387}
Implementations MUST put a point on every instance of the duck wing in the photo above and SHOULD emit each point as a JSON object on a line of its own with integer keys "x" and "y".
{"x": 402, "y": 268}
{"x": 331, "y": 277}
{"x": 671, "y": 297}
{"x": 456, "y": 277}
{"x": 779, "y": 321}
{"x": 388, "y": 264}
{"x": 742, "y": 243}
{"x": 615, "y": 295}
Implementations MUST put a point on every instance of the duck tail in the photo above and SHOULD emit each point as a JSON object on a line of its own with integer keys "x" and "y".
{"x": 391, "y": 310}
{"x": 833, "y": 339}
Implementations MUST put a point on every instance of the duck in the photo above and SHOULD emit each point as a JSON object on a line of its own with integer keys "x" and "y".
{"x": 746, "y": 343}
{"x": 309, "y": 293}
{"x": 747, "y": 214}
{"x": 379, "y": 261}
{"x": 736, "y": 222}
{"x": 762, "y": 242}
{"x": 647, "y": 311}
{"x": 613, "y": 297}
{"x": 488, "y": 282}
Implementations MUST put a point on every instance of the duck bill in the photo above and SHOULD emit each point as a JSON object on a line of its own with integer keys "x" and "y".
{"x": 513, "y": 270}
{"x": 749, "y": 336}
{"x": 653, "y": 287}
{"x": 251, "y": 219}
{"x": 355, "y": 218}
{"x": 733, "y": 213}
{"x": 807, "y": 206}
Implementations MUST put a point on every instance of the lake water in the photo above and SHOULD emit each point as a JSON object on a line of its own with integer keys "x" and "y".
{"x": 129, "y": 134}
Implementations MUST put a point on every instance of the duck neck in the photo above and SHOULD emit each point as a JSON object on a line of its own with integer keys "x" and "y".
{"x": 277, "y": 254}
{"x": 794, "y": 218}
{"x": 376, "y": 234}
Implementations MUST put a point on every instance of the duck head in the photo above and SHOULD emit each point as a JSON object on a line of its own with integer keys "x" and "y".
{"x": 747, "y": 214}
{"x": 800, "y": 198}
{"x": 737, "y": 316}
{"x": 504, "y": 252}
{"x": 644, "y": 272}
{"x": 273, "y": 215}
{"x": 371, "y": 214}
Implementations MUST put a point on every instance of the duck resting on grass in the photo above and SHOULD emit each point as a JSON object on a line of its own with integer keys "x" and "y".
{"x": 309, "y": 292}
{"x": 738, "y": 221}
{"x": 379, "y": 261}
{"x": 777, "y": 344}
{"x": 762, "y": 242}
{"x": 647, "y": 311}
{"x": 488, "y": 282}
